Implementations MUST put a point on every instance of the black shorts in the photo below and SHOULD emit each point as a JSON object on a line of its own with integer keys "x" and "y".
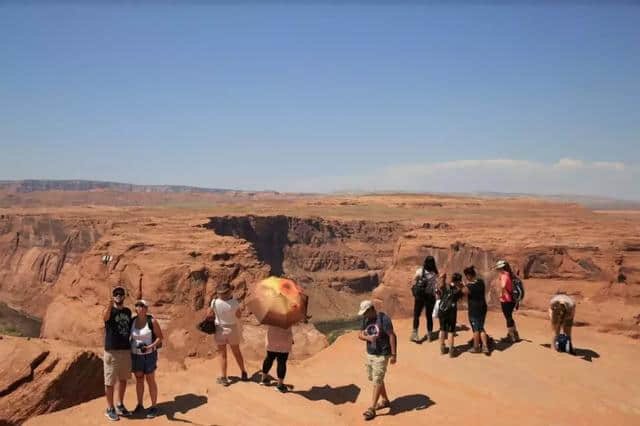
{"x": 448, "y": 320}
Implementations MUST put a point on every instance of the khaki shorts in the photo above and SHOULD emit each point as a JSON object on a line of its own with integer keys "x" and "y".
{"x": 228, "y": 335}
{"x": 377, "y": 367}
{"x": 117, "y": 366}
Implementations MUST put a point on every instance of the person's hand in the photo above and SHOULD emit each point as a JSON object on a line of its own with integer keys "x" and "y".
{"x": 149, "y": 348}
{"x": 393, "y": 358}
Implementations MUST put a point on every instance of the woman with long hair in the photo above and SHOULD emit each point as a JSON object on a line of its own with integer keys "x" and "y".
{"x": 506, "y": 299}
{"x": 424, "y": 294}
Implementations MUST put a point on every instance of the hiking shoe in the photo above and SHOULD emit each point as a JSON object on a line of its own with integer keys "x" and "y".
{"x": 122, "y": 411}
{"x": 139, "y": 410}
{"x": 281, "y": 388}
{"x": 111, "y": 414}
{"x": 224, "y": 381}
{"x": 244, "y": 377}
{"x": 153, "y": 412}
{"x": 414, "y": 336}
{"x": 443, "y": 350}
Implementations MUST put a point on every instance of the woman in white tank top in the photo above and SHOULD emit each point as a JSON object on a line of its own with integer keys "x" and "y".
{"x": 146, "y": 336}
{"x": 226, "y": 311}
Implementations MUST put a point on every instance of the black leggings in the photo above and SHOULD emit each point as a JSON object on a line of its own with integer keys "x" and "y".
{"x": 427, "y": 303}
{"x": 282, "y": 363}
{"x": 507, "y": 310}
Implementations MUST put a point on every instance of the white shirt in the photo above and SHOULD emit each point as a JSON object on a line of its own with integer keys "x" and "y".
{"x": 140, "y": 335}
{"x": 225, "y": 311}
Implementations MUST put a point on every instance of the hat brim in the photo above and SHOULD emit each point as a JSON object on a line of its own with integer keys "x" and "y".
{"x": 364, "y": 311}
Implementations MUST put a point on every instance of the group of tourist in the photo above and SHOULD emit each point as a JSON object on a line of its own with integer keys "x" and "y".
{"x": 131, "y": 343}
{"x": 439, "y": 298}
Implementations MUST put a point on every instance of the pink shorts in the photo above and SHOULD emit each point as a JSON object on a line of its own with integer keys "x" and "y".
{"x": 228, "y": 335}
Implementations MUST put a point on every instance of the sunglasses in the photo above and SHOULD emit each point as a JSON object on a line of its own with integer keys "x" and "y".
{"x": 118, "y": 294}
{"x": 140, "y": 305}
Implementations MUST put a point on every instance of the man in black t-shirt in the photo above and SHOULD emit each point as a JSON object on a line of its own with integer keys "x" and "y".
{"x": 117, "y": 352}
{"x": 377, "y": 331}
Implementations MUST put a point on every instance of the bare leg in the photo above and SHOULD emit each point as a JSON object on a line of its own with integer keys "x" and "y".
{"x": 122, "y": 388}
{"x": 140, "y": 387}
{"x": 377, "y": 390}
{"x": 153, "y": 388}
{"x": 108, "y": 391}
{"x": 222, "y": 349}
{"x": 476, "y": 339}
{"x": 235, "y": 349}
{"x": 485, "y": 340}
{"x": 383, "y": 393}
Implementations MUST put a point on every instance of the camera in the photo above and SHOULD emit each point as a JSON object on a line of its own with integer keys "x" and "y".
{"x": 141, "y": 347}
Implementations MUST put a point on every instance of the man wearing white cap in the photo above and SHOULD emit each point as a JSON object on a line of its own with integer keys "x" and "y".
{"x": 377, "y": 331}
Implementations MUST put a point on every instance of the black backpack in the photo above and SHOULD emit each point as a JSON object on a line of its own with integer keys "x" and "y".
{"x": 518, "y": 290}
{"x": 422, "y": 287}
{"x": 448, "y": 300}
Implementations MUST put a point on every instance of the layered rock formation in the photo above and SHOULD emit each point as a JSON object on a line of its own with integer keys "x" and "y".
{"x": 38, "y": 376}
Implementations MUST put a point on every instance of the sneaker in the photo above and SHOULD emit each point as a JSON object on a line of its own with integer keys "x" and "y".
{"x": 443, "y": 349}
{"x": 475, "y": 350}
{"x": 122, "y": 411}
{"x": 111, "y": 414}
{"x": 244, "y": 377}
{"x": 264, "y": 381}
{"x": 452, "y": 352}
{"x": 139, "y": 410}
{"x": 414, "y": 336}
{"x": 153, "y": 412}
{"x": 486, "y": 351}
{"x": 281, "y": 388}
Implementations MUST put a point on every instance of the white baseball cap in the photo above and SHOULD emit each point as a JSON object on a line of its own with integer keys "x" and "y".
{"x": 365, "y": 305}
{"x": 501, "y": 264}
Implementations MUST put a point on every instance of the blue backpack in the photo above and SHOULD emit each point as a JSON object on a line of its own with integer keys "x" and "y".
{"x": 563, "y": 344}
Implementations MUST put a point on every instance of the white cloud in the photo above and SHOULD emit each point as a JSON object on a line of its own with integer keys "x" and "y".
{"x": 566, "y": 176}
{"x": 609, "y": 165}
{"x": 569, "y": 163}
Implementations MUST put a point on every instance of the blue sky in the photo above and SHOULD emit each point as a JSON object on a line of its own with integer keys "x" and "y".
{"x": 320, "y": 97}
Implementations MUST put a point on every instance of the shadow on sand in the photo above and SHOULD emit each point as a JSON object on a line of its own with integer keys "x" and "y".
{"x": 181, "y": 404}
{"x": 338, "y": 395}
{"x": 407, "y": 403}
{"x": 584, "y": 354}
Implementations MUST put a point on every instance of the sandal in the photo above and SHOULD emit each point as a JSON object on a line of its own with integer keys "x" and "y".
{"x": 224, "y": 381}
{"x": 383, "y": 404}
{"x": 369, "y": 414}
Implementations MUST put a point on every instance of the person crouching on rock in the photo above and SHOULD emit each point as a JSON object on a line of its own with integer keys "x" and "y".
{"x": 477, "y": 306}
{"x": 423, "y": 290}
{"x": 225, "y": 309}
{"x": 562, "y": 311}
{"x": 279, "y": 342}
{"x": 377, "y": 331}
{"x": 506, "y": 299}
{"x": 117, "y": 352}
{"x": 448, "y": 310}
{"x": 146, "y": 338}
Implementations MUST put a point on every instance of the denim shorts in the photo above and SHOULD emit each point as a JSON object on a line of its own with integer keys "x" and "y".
{"x": 477, "y": 323}
{"x": 146, "y": 363}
